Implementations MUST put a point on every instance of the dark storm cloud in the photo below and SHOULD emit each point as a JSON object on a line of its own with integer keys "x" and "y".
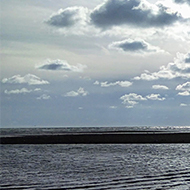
{"x": 68, "y": 17}
{"x": 133, "y": 12}
{"x": 182, "y": 1}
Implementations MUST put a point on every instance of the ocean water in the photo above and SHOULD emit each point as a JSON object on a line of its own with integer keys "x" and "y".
{"x": 93, "y": 166}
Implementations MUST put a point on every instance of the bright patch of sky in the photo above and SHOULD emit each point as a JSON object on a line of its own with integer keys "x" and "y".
{"x": 95, "y": 63}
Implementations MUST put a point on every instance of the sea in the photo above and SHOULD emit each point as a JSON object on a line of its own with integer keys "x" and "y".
{"x": 94, "y": 166}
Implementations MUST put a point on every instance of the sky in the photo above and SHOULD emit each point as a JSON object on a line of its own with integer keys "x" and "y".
{"x": 95, "y": 63}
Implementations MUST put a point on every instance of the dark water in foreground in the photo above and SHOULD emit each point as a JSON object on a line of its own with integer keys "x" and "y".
{"x": 90, "y": 166}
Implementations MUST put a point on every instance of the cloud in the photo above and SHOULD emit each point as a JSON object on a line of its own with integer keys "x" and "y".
{"x": 79, "y": 92}
{"x": 61, "y": 65}
{"x": 113, "y": 107}
{"x": 185, "y": 93}
{"x": 161, "y": 87}
{"x": 155, "y": 97}
{"x": 43, "y": 97}
{"x": 183, "y": 105}
{"x": 130, "y": 45}
{"x": 179, "y": 68}
{"x": 27, "y": 79}
{"x": 21, "y": 91}
{"x": 132, "y": 12}
{"x": 68, "y": 17}
{"x": 184, "y": 87}
{"x": 182, "y": 1}
{"x": 120, "y": 83}
{"x": 18, "y": 91}
{"x": 131, "y": 99}
{"x": 187, "y": 59}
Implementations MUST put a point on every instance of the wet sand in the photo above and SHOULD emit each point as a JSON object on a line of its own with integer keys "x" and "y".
{"x": 123, "y": 137}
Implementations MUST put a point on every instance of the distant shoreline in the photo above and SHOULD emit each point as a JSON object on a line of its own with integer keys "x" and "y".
{"x": 124, "y": 137}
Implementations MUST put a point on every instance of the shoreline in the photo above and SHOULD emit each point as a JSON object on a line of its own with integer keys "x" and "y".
{"x": 117, "y": 137}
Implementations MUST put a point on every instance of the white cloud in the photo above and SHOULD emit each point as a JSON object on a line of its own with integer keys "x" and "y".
{"x": 155, "y": 97}
{"x": 27, "y": 79}
{"x": 179, "y": 68}
{"x": 185, "y": 93}
{"x": 120, "y": 83}
{"x": 43, "y": 97}
{"x": 79, "y": 92}
{"x": 183, "y": 105}
{"x": 131, "y": 99}
{"x": 135, "y": 46}
{"x": 61, "y": 65}
{"x": 161, "y": 87}
{"x": 113, "y": 107}
{"x": 18, "y": 91}
{"x": 184, "y": 87}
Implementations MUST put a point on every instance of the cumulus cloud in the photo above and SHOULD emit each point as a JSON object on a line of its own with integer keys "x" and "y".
{"x": 79, "y": 92}
{"x": 182, "y": 1}
{"x": 43, "y": 97}
{"x": 72, "y": 20}
{"x": 130, "y": 45}
{"x": 68, "y": 17}
{"x": 132, "y": 12}
{"x": 131, "y": 99}
{"x": 161, "y": 87}
{"x": 179, "y": 68}
{"x": 27, "y": 79}
{"x": 120, "y": 83}
{"x": 61, "y": 65}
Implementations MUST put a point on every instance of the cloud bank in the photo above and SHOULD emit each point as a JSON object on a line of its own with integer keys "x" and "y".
{"x": 179, "y": 68}
{"x": 61, "y": 65}
{"x": 27, "y": 79}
